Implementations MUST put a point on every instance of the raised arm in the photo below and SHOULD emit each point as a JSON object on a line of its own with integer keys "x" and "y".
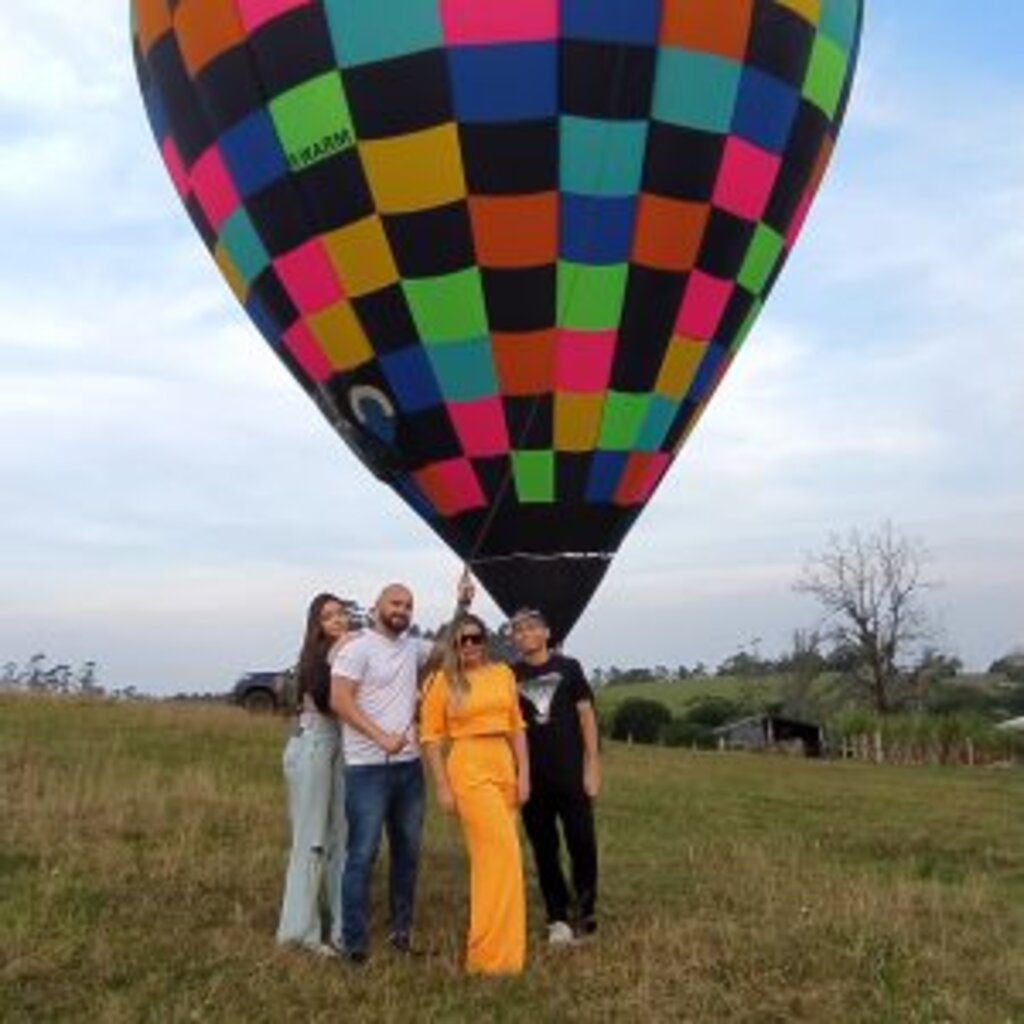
{"x": 431, "y": 656}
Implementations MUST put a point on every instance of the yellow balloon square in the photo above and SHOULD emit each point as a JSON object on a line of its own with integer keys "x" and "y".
{"x": 361, "y": 255}
{"x": 577, "y": 421}
{"x": 682, "y": 357}
{"x": 414, "y": 172}
{"x": 807, "y": 9}
{"x": 236, "y": 282}
{"x": 340, "y": 336}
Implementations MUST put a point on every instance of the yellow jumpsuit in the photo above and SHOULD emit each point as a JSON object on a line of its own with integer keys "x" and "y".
{"x": 481, "y": 772}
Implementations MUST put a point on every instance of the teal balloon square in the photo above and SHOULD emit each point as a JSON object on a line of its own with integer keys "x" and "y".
{"x": 601, "y": 158}
{"x": 364, "y": 31}
{"x": 695, "y": 90}
{"x": 839, "y": 21}
{"x": 660, "y": 413}
{"x": 243, "y": 245}
{"x": 464, "y": 369}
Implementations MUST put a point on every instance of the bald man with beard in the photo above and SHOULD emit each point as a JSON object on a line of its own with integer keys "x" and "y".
{"x": 374, "y": 692}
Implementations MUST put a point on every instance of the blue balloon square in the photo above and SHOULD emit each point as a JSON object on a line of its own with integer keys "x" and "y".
{"x": 765, "y": 110}
{"x": 597, "y": 230}
{"x": 253, "y": 153}
{"x": 492, "y": 84}
{"x": 606, "y": 469}
{"x": 612, "y": 21}
{"x": 409, "y": 373}
{"x": 706, "y": 374}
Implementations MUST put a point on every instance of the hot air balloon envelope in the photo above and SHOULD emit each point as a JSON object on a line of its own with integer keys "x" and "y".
{"x": 509, "y": 249}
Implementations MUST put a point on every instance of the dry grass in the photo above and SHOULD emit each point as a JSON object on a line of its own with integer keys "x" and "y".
{"x": 142, "y": 849}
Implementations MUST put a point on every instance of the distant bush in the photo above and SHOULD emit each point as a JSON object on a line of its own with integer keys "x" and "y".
{"x": 681, "y": 732}
{"x": 640, "y": 720}
{"x": 711, "y": 712}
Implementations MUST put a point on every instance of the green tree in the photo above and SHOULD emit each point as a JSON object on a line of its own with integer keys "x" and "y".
{"x": 640, "y": 720}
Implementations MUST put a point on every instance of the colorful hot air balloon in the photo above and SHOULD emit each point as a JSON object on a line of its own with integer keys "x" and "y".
{"x": 508, "y": 248}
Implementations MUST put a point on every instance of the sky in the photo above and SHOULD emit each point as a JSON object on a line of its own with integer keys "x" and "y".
{"x": 170, "y": 499}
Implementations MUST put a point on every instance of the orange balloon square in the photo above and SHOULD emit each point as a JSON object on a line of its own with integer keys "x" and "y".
{"x": 710, "y": 26}
{"x": 668, "y": 232}
{"x": 152, "y": 20}
{"x": 525, "y": 363}
{"x": 515, "y": 231}
{"x": 206, "y": 29}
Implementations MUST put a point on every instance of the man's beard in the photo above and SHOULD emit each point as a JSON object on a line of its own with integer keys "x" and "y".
{"x": 396, "y": 622}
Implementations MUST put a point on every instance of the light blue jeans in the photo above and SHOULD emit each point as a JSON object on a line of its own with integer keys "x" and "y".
{"x": 314, "y": 773}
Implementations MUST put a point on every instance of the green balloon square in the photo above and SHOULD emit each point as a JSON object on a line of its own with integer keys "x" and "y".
{"x": 447, "y": 308}
{"x": 622, "y": 420}
{"x": 534, "y": 474}
{"x": 823, "y": 84}
{"x": 590, "y": 297}
{"x": 313, "y": 120}
{"x": 762, "y": 254}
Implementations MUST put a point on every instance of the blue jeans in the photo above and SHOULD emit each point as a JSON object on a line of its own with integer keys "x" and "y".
{"x": 381, "y": 796}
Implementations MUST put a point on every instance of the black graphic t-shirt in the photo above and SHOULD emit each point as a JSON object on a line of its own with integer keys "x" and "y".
{"x": 548, "y": 695}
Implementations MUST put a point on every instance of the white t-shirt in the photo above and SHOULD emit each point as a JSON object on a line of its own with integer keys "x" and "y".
{"x": 384, "y": 671}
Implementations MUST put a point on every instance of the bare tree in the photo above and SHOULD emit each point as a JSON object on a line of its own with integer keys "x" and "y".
{"x": 870, "y": 587}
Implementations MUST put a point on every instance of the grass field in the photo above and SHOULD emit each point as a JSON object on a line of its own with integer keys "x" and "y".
{"x": 142, "y": 850}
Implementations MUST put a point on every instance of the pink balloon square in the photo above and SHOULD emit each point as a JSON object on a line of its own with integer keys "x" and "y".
{"x": 481, "y": 426}
{"x": 213, "y": 188}
{"x": 468, "y": 22}
{"x": 255, "y": 12}
{"x": 583, "y": 361}
{"x": 799, "y": 216}
{"x": 745, "y": 180}
{"x": 301, "y": 343}
{"x": 703, "y": 304}
{"x": 308, "y": 277}
{"x": 175, "y": 167}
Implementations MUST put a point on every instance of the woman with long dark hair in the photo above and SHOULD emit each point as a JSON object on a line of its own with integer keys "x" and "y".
{"x": 313, "y": 772}
{"x": 472, "y": 704}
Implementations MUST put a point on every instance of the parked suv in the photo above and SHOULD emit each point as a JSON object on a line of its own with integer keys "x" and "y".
{"x": 265, "y": 691}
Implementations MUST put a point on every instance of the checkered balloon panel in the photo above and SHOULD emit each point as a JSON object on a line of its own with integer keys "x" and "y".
{"x": 509, "y": 249}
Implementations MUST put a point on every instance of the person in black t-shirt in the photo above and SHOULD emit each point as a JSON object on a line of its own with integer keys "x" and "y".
{"x": 565, "y": 773}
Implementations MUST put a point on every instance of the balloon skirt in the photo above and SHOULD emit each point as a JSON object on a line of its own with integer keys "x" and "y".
{"x": 482, "y": 775}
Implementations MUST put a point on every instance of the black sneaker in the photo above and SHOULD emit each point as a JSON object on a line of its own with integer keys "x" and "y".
{"x": 355, "y": 957}
{"x": 401, "y": 943}
{"x": 586, "y": 926}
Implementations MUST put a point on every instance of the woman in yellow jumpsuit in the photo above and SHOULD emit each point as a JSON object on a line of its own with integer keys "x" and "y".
{"x": 473, "y": 703}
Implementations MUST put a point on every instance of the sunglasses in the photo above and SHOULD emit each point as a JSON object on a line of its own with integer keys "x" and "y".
{"x": 471, "y": 640}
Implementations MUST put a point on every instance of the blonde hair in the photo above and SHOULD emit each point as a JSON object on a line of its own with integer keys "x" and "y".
{"x": 451, "y": 663}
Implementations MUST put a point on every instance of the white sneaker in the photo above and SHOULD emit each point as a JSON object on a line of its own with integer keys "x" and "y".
{"x": 320, "y": 949}
{"x": 560, "y": 934}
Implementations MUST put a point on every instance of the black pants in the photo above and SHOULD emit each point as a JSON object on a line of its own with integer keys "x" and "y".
{"x": 541, "y": 816}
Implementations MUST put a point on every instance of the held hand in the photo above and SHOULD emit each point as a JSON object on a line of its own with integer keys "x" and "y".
{"x": 592, "y": 778}
{"x": 392, "y": 742}
{"x": 446, "y": 801}
{"x": 466, "y": 590}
